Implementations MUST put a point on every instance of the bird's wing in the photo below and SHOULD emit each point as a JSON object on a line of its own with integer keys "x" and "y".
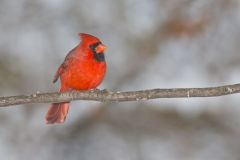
{"x": 64, "y": 65}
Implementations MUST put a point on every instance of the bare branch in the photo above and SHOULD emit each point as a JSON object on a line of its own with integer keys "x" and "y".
{"x": 106, "y": 96}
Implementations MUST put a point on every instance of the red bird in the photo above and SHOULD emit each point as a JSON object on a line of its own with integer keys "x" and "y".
{"x": 83, "y": 69}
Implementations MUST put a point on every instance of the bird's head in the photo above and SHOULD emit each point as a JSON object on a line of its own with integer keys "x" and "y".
{"x": 94, "y": 45}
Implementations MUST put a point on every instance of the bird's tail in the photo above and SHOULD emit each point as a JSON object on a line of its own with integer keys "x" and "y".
{"x": 57, "y": 112}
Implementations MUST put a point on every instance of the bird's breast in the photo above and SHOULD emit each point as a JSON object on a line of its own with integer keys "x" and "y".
{"x": 84, "y": 74}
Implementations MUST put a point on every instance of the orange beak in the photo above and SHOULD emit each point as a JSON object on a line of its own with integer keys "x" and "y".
{"x": 101, "y": 48}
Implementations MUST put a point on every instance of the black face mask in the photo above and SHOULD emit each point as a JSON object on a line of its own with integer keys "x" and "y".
{"x": 97, "y": 56}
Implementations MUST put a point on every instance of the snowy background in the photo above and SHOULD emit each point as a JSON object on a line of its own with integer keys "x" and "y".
{"x": 151, "y": 44}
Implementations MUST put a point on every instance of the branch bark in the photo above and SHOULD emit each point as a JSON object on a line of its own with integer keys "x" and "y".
{"x": 107, "y": 96}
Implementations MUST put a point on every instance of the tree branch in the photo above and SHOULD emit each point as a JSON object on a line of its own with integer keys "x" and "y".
{"x": 106, "y": 96}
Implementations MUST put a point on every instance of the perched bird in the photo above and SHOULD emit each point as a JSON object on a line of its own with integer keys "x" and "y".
{"x": 83, "y": 69}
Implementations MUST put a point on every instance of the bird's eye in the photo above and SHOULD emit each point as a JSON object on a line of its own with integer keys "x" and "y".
{"x": 94, "y": 46}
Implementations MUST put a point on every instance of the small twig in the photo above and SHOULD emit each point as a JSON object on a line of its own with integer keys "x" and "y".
{"x": 104, "y": 95}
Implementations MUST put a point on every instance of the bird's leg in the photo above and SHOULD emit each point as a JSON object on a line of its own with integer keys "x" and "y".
{"x": 98, "y": 90}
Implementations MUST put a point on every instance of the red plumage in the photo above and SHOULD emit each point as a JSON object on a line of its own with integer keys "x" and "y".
{"x": 83, "y": 68}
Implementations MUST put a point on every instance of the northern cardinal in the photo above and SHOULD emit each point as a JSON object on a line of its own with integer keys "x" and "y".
{"x": 83, "y": 69}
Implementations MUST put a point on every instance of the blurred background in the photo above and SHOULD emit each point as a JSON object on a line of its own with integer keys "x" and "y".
{"x": 151, "y": 44}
